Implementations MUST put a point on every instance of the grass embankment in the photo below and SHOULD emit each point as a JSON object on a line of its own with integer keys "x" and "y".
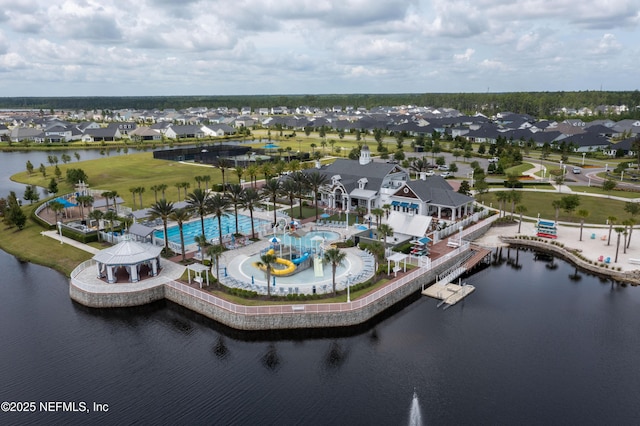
{"x": 540, "y": 202}
{"x": 29, "y": 245}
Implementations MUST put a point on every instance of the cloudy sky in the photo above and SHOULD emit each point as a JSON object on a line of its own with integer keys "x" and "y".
{"x": 222, "y": 47}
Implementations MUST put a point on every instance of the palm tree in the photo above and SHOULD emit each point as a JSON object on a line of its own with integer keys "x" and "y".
{"x": 520, "y": 209}
{"x": 223, "y": 165}
{"x": 133, "y": 191}
{"x": 201, "y": 241}
{"x": 249, "y": 200}
{"x": 387, "y": 209}
{"x": 631, "y": 221}
{"x": 300, "y": 180}
{"x": 218, "y": 205}
{"x": 386, "y": 231}
{"x": 206, "y": 179}
{"x": 501, "y": 197}
{"x": 515, "y": 197}
{"x": 198, "y": 180}
{"x": 315, "y": 181}
{"x": 271, "y": 190}
{"x": 96, "y": 215}
{"x": 162, "y": 209}
{"x": 186, "y": 186}
{"x": 619, "y": 230}
{"x": 111, "y": 216}
{"x": 163, "y": 187}
{"x": 214, "y": 252}
{"x": 155, "y": 189}
{"x": 197, "y": 201}
{"x": 612, "y": 220}
{"x": 378, "y": 213}
{"x": 267, "y": 170}
{"x": 253, "y": 171}
{"x": 288, "y": 188}
{"x": 106, "y": 195}
{"x": 334, "y": 257}
{"x": 239, "y": 171}
{"x": 234, "y": 195}
{"x": 114, "y": 196}
{"x": 126, "y": 221}
{"x": 178, "y": 185}
{"x": 140, "y": 191}
{"x": 181, "y": 216}
{"x": 57, "y": 207}
{"x": 279, "y": 167}
{"x": 84, "y": 201}
{"x": 628, "y": 223}
{"x": 294, "y": 166}
{"x": 267, "y": 261}
{"x": 633, "y": 209}
{"x": 377, "y": 249}
{"x": 582, "y": 214}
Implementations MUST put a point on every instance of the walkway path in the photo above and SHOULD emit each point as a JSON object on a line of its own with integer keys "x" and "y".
{"x": 69, "y": 241}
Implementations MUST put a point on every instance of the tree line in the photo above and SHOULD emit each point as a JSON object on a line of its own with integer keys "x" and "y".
{"x": 538, "y": 104}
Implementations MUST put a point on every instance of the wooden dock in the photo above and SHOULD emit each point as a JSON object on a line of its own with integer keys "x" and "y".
{"x": 448, "y": 293}
{"x": 480, "y": 254}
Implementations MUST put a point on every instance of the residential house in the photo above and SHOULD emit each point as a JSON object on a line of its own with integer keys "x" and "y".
{"x": 105, "y": 134}
{"x": 182, "y": 132}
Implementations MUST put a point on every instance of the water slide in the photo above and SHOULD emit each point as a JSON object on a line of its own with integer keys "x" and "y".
{"x": 300, "y": 259}
{"x": 290, "y": 267}
{"x": 318, "y": 267}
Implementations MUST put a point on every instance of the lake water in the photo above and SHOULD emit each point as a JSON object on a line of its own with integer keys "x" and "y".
{"x": 16, "y": 161}
{"x": 534, "y": 344}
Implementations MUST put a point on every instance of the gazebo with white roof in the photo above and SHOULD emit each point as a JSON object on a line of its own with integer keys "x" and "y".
{"x": 131, "y": 255}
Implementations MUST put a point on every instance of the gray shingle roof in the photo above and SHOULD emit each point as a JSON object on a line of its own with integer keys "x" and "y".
{"x": 436, "y": 190}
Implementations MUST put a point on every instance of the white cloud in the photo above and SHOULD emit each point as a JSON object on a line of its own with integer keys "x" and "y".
{"x": 464, "y": 57}
{"x": 607, "y": 45}
{"x": 318, "y": 46}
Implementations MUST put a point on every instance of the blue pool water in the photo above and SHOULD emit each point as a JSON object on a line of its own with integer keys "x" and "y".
{"x": 308, "y": 242}
{"x": 193, "y": 229}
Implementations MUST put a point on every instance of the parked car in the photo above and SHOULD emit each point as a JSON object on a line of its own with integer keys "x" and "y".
{"x": 443, "y": 167}
{"x": 430, "y": 173}
{"x": 494, "y": 160}
{"x": 446, "y": 174}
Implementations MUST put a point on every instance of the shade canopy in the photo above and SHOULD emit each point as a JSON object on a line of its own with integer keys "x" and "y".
{"x": 65, "y": 203}
{"x": 127, "y": 252}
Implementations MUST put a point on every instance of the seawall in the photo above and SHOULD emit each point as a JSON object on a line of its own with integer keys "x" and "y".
{"x": 265, "y": 317}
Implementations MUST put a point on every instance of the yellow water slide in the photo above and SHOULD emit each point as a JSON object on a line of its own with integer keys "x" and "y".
{"x": 290, "y": 267}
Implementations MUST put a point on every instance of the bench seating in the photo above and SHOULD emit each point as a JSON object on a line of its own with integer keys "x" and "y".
{"x": 635, "y": 261}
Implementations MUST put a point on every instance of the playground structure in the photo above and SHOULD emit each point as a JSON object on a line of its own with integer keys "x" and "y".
{"x": 290, "y": 266}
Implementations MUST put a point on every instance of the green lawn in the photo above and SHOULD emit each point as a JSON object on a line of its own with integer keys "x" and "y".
{"x": 537, "y": 202}
{"x": 519, "y": 170}
{"x": 126, "y": 171}
{"x": 599, "y": 190}
{"x": 29, "y": 245}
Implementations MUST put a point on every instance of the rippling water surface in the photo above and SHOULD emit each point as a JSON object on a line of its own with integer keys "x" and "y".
{"x": 534, "y": 344}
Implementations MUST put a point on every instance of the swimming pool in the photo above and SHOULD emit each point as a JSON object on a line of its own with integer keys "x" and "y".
{"x": 193, "y": 229}
{"x": 306, "y": 277}
{"x": 311, "y": 240}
